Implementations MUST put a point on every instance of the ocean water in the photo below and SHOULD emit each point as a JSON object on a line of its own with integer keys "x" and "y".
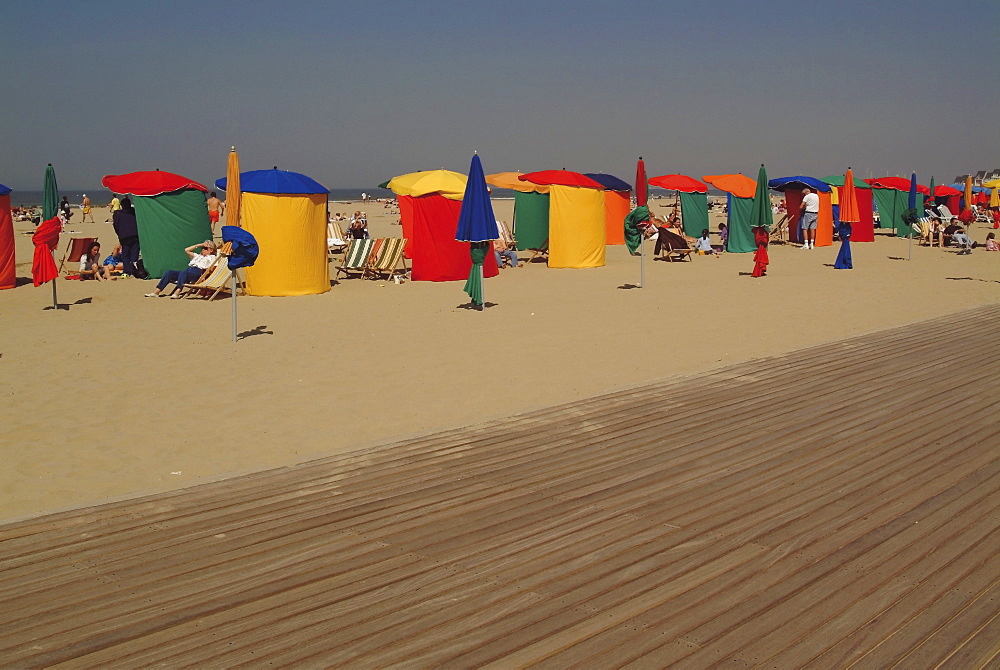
{"x": 101, "y": 197}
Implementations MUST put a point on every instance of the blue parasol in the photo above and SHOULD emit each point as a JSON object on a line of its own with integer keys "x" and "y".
{"x": 478, "y": 225}
{"x": 243, "y": 255}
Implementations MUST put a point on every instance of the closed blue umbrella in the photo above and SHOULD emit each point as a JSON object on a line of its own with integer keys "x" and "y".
{"x": 477, "y": 225}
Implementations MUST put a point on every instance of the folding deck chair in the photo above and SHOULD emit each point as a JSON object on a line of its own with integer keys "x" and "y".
{"x": 335, "y": 240}
{"x": 214, "y": 280}
{"x": 356, "y": 257}
{"x": 539, "y": 252}
{"x": 75, "y": 249}
{"x": 385, "y": 258}
{"x": 778, "y": 230}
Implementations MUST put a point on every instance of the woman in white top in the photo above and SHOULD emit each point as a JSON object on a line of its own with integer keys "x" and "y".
{"x": 90, "y": 262}
{"x": 200, "y": 261}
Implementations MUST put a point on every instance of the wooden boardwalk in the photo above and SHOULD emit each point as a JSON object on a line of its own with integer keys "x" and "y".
{"x": 834, "y": 507}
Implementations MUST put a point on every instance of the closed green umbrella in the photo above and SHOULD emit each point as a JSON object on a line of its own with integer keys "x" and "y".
{"x": 761, "y": 214}
{"x": 50, "y": 194}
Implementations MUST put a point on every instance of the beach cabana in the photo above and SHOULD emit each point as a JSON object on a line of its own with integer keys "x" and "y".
{"x": 170, "y": 212}
{"x": 286, "y": 212}
{"x": 739, "y": 190}
{"x": 531, "y": 208}
{"x": 792, "y": 188}
{"x": 577, "y": 229}
{"x": 863, "y": 230}
{"x": 8, "y": 269}
{"x": 429, "y": 205}
{"x": 617, "y": 205}
{"x": 693, "y": 195}
{"x": 891, "y": 196}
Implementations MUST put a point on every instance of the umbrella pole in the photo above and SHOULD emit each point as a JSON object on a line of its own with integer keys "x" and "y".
{"x": 55, "y": 300}
{"x": 234, "y": 305}
{"x": 909, "y": 247}
{"x": 482, "y": 283}
{"x": 642, "y": 261}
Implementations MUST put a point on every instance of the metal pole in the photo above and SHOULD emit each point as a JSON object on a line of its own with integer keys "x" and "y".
{"x": 909, "y": 247}
{"x": 55, "y": 301}
{"x": 482, "y": 282}
{"x": 642, "y": 260}
{"x": 234, "y": 305}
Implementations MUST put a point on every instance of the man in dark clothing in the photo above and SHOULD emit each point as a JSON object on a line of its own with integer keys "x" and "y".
{"x": 128, "y": 236}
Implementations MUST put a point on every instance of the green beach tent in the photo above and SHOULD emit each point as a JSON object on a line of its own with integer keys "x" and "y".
{"x": 170, "y": 212}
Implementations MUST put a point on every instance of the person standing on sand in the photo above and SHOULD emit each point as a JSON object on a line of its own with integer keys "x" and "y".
{"x": 85, "y": 206}
{"x": 808, "y": 218}
{"x": 215, "y": 209}
{"x": 128, "y": 236}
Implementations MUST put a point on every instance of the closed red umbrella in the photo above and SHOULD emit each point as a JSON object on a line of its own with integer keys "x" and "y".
{"x": 45, "y": 239}
{"x": 641, "y": 189}
{"x": 561, "y": 178}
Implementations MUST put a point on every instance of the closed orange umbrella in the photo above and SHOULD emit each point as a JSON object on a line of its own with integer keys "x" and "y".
{"x": 968, "y": 191}
{"x": 233, "y": 197}
{"x": 849, "y": 210}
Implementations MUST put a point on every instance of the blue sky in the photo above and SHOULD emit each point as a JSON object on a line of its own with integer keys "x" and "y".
{"x": 353, "y": 93}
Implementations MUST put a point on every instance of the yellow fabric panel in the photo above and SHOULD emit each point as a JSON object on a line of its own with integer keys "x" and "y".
{"x": 576, "y": 227}
{"x": 291, "y": 233}
{"x": 834, "y": 196}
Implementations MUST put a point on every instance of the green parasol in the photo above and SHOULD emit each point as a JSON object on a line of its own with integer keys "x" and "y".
{"x": 50, "y": 194}
{"x": 761, "y": 214}
{"x": 474, "y": 284}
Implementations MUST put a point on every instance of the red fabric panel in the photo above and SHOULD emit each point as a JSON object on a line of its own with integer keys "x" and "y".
{"x": 616, "y": 207}
{"x": 437, "y": 255}
{"x": 46, "y": 239}
{"x": 793, "y": 200}
{"x": 953, "y": 203}
{"x": 8, "y": 271}
{"x": 863, "y": 230}
{"x": 406, "y": 219}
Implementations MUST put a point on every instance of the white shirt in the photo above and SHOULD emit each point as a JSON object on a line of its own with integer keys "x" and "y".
{"x": 203, "y": 262}
{"x": 811, "y": 201}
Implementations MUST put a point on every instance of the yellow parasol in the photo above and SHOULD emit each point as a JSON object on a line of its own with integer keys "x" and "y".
{"x": 968, "y": 191}
{"x": 994, "y": 186}
{"x": 233, "y": 193}
{"x": 509, "y": 180}
{"x": 449, "y": 184}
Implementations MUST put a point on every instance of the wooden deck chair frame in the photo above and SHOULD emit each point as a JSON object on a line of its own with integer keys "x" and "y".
{"x": 356, "y": 257}
{"x": 778, "y": 230}
{"x": 75, "y": 248}
{"x": 386, "y": 258}
{"x": 673, "y": 255}
{"x": 215, "y": 278}
{"x": 541, "y": 251}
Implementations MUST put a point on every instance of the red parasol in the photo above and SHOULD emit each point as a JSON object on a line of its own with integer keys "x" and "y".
{"x": 679, "y": 182}
{"x": 849, "y": 210}
{"x": 739, "y": 185}
{"x": 46, "y": 239}
{"x": 153, "y": 182}
{"x": 641, "y": 188}
{"x": 561, "y": 178}
{"x": 896, "y": 184}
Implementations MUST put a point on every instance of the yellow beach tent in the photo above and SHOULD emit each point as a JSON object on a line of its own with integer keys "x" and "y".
{"x": 287, "y": 213}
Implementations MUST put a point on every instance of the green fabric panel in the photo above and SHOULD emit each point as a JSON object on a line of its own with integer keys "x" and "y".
{"x": 902, "y": 204}
{"x": 474, "y": 284}
{"x": 531, "y": 219}
{"x": 740, "y": 235}
{"x": 885, "y": 203}
{"x": 167, "y": 224}
{"x": 694, "y": 213}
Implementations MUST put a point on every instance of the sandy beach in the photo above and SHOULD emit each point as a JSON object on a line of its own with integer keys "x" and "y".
{"x": 119, "y": 395}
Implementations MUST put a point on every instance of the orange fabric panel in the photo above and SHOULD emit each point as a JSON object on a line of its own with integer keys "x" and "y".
{"x": 8, "y": 270}
{"x": 616, "y": 208}
{"x": 824, "y": 226}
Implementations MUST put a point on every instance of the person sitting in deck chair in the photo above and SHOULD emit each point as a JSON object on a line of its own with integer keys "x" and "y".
{"x": 961, "y": 240}
{"x": 200, "y": 262}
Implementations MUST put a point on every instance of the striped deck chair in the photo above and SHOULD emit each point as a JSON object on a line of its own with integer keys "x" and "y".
{"x": 386, "y": 258}
{"x": 215, "y": 279}
{"x": 541, "y": 251}
{"x": 356, "y": 257}
{"x": 335, "y": 240}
